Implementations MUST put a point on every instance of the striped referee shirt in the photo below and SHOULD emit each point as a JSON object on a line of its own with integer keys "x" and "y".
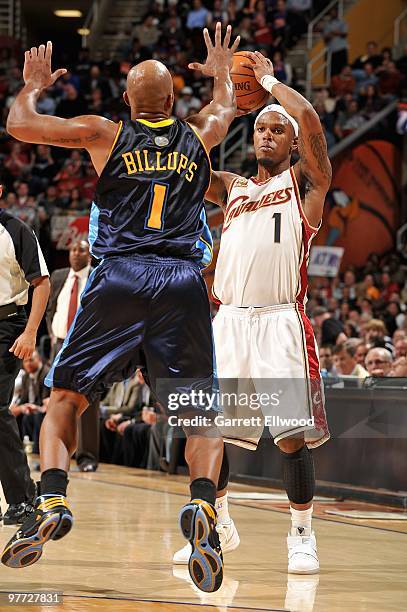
{"x": 21, "y": 260}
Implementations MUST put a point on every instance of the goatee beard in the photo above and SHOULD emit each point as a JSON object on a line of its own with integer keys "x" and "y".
{"x": 267, "y": 163}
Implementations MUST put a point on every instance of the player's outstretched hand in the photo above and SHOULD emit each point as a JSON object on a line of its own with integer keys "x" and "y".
{"x": 220, "y": 56}
{"x": 37, "y": 67}
{"x": 260, "y": 64}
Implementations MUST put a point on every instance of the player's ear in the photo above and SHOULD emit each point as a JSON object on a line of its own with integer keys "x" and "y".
{"x": 169, "y": 103}
{"x": 126, "y": 98}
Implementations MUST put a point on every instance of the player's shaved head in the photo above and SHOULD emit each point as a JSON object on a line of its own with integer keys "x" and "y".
{"x": 149, "y": 89}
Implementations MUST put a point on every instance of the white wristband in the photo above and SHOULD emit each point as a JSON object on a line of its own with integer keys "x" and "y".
{"x": 268, "y": 82}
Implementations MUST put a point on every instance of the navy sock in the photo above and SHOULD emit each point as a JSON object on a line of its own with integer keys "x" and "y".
{"x": 203, "y": 488}
{"x": 54, "y": 481}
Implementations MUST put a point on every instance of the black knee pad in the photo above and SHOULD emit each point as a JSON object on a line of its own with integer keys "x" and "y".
{"x": 299, "y": 475}
{"x": 224, "y": 471}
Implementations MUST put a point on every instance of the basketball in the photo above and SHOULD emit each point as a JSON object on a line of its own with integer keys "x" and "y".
{"x": 250, "y": 95}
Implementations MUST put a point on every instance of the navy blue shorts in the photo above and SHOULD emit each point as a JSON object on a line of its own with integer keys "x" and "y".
{"x": 138, "y": 311}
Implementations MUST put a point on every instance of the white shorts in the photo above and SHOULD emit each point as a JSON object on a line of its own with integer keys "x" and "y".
{"x": 268, "y": 355}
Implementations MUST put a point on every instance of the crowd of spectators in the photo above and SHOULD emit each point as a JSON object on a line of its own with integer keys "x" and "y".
{"x": 360, "y": 318}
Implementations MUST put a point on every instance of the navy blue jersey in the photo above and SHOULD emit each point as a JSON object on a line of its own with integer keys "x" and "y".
{"x": 149, "y": 197}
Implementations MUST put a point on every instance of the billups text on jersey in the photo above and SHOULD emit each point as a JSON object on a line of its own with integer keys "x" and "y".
{"x": 157, "y": 161}
{"x": 242, "y": 204}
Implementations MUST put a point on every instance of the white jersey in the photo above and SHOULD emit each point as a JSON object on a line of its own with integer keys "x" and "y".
{"x": 265, "y": 244}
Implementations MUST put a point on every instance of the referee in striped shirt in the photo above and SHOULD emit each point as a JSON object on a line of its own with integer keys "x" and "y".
{"x": 21, "y": 264}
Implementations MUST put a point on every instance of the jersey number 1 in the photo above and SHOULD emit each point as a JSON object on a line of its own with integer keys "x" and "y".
{"x": 158, "y": 198}
{"x": 277, "y": 227}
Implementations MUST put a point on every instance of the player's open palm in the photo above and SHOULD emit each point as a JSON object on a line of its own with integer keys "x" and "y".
{"x": 220, "y": 56}
{"x": 37, "y": 67}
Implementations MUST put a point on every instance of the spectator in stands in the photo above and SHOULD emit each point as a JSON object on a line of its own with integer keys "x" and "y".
{"x": 282, "y": 70}
{"x": 219, "y": 13}
{"x": 387, "y": 287}
{"x": 345, "y": 360}
{"x": 331, "y": 329}
{"x": 298, "y": 15}
{"x": 399, "y": 334}
{"x": 279, "y": 17}
{"x": 98, "y": 81}
{"x": 399, "y": 368}
{"x": 46, "y": 105}
{"x": 369, "y": 290}
{"x": 400, "y": 348}
{"x": 50, "y": 202}
{"x": 372, "y": 56}
{"x": 72, "y": 104}
{"x": 43, "y": 168}
{"x": 343, "y": 83}
{"x": 361, "y": 352}
{"x": 97, "y": 105}
{"x": 370, "y": 102}
{"x": 393, "y": 316}
{"x": 78, "y": 204}
{"x": 33, "y": 398}
{"x": 335, "y": 36}
{"x": 198, "y": 17}
{"x": 245, "y": 30}
{"x": 364, "y": 78}
{"x": 326, "y": 360}
{"x": 349, "y": 121}
{"x": 390, "y": 79}
{"x": 376, "y": 335}
{"x": 147, "y": 32}
{"x": 379, "y": 362}
{"x": 187, "y": 103}
{"x": 17, "y": 162}
{"x": 129, "y": 443}
{"x": 263, "y": 34}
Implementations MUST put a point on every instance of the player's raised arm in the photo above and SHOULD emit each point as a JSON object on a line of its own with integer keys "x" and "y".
{"x": 96, "y": 134}
{"x": 213, "y": 121}
{"x": 314, "y": 168}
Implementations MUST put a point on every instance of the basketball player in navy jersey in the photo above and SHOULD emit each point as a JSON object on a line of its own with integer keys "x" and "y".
{"x": 146, "y": 303}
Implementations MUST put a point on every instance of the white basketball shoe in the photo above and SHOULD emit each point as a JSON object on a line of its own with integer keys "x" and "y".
{"x": 302, "y": 554}
{"x": 229, "y": 540}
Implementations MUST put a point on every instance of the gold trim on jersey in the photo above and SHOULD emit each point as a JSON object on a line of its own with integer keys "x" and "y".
{"x": 197, "y": 134}
{"x": 156, "y": 124}
{"x": 119, "y": 129}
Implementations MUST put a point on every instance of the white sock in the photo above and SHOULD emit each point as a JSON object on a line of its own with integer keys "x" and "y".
{"x": 301, "y": 520}
{"x": 222, "y": 510}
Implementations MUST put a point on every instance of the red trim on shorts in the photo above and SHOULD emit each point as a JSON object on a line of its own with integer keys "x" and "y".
{"x": 313, "y": 361}
{"x": 314, "y": 376}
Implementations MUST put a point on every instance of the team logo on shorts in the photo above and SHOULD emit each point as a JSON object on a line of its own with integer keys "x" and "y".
{"x": 161, "y": 141}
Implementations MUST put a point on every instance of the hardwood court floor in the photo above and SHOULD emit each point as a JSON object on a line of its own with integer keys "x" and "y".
{"x": 118, "y": 556}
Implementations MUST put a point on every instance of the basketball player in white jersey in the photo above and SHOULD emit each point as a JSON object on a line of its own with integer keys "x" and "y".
{"x": 261, "y": 331}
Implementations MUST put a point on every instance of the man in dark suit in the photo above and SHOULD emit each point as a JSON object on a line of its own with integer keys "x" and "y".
{"x": 67, "y": 285}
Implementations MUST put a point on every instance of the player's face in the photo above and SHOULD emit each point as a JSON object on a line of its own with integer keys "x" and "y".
{"x": 273, "y": 138}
